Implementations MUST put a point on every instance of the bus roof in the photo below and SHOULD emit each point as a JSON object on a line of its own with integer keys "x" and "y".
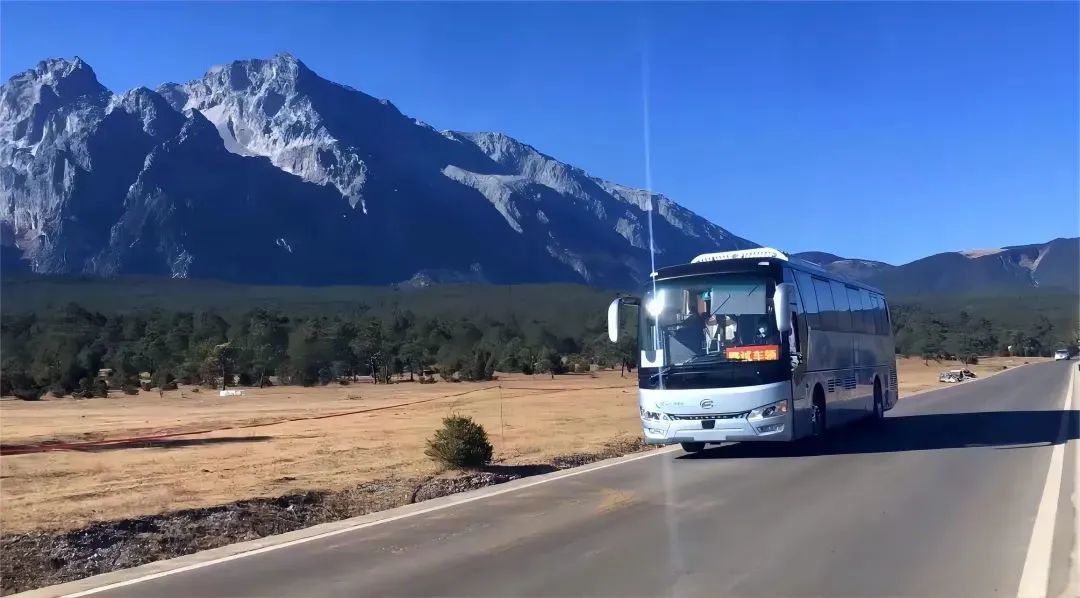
{"x": 774, "y": 255}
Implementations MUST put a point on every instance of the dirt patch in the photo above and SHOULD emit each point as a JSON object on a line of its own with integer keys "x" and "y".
{"x": 146, "y": 454}
{"x": 918, "y": 376}
{"x": 36, "y": 559}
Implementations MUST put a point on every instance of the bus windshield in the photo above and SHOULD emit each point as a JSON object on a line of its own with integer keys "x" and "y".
{"x": 709, "y": 319}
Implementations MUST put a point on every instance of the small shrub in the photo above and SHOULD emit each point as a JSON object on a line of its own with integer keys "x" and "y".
{"x": 343, "y": 382}
{"x": 58, "y": 391}
{"x": 145, "y": 385}
{"x": 196, "y": 389}
{"x": 325, "y": 376}
{"x": 169, "y": 386}
{"x": 130, "y": 389}
{"x": 27, "y": 394}
{"x": 244, "y": 379}
{"x": 100, "y": 389}
{"x": 460, "y": 444}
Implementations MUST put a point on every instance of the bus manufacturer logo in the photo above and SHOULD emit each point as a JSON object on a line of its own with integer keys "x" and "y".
{"x": 706, "y": 404}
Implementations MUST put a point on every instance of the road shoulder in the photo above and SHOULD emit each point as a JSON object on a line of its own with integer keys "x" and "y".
{"x": 124, "y": 577}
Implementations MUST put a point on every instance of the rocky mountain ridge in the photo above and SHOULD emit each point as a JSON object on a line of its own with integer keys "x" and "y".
{"x": 262, "y": 171}
{"x": 1054, "y": 265}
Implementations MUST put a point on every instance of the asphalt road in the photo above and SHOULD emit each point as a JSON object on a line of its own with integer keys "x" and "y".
{"x": 940, "y": 499}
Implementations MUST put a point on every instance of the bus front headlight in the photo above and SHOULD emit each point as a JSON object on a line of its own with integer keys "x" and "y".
{"x": 770, "y": 410}
{"x": 652, "y": 414}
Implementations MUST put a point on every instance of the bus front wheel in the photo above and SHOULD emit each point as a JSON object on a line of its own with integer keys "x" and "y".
{"x": 693, "y": 447}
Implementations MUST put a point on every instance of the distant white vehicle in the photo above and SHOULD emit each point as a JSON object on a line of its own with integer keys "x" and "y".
{"x": 1061, "y": 355}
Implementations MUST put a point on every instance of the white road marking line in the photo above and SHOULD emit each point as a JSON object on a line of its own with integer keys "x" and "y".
{"x": 1035, "y": 578}
{"x": 1073, "y": 588}
{"x": 359, "y": 526}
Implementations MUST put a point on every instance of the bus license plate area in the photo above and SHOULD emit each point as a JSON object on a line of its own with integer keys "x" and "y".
{"x": 708, "y": 424}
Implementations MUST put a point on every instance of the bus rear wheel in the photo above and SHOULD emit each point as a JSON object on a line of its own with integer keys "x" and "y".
{"x": 879, "y": 403}
{"x": 693, "y": 447}
{"x": 817, "y": 414}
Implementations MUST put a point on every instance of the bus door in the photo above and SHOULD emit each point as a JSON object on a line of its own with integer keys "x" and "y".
{"x": 798, "y": 351}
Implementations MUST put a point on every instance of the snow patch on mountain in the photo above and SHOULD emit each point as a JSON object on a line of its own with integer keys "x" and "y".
{"x": 259, "y": 107}
{"x": 977, "y": 253}
{"x": 219, "y": 116}
{"x": 498, "y": 189}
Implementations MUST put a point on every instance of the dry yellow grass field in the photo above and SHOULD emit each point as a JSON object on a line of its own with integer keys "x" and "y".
{"x": 917, "y": 376}
{"x": 528, "y": 419}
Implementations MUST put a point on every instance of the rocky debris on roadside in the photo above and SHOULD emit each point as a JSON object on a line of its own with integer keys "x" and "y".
{"x": 442, "y": 486}
{"x": 37, "y": 559}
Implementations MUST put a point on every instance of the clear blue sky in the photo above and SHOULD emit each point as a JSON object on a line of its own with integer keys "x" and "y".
{"x": 885, "y": 131}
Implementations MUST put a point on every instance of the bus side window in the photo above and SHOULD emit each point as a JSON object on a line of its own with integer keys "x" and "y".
{"x": 858, "y": 316}
{"x": 843, "y": 315}
{"x": 826, "y": 310}
{"x": 881, "y": 323}
{"x": 809, "y": 299}
{"x": 794, "y": 343}
{"x": 798, "y": 348}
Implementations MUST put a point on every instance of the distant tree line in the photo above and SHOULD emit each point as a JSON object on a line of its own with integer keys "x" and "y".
{"x": 922, "y": 331}
{"x": 63, "y": 350}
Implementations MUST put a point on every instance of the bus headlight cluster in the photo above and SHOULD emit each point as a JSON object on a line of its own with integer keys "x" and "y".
{"x": 652, "y": 414}
{"x": 771, "y": 410}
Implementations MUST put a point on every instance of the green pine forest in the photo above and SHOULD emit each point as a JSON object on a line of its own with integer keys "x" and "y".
{"x": 57, "y": 334}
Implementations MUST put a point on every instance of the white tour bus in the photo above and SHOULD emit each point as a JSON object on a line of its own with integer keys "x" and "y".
{"x": 752, "y": 345}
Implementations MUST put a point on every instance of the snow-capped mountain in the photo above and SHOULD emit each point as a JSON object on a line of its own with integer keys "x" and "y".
{"x": 262, "y": 171}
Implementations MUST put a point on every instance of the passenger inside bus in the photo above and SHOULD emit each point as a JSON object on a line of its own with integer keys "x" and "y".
{"x": 764, "y": 333}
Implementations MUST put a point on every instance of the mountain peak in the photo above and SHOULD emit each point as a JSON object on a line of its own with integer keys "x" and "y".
{"x": 67, "y": 78}
{"x": 280, "y": 71}
{"x": 821, "y": 258}
{"x": 63, "y": 67}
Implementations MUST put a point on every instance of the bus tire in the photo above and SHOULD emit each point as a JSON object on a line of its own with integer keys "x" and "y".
{"x": 693, "y": 447}
{"x": 818, "y": 423}
{"x": 879, "y": 402}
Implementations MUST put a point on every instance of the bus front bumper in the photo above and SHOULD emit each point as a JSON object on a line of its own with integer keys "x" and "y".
{"x": 772, "y": 429}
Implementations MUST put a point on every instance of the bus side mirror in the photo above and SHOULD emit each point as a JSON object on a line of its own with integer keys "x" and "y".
{"x": 613, "y": 315}
{"x": 782, "y": 300}
{"x": 613, "y": 319}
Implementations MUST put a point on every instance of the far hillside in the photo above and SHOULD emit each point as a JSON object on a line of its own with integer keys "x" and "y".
{"x": 1052, "y": 267}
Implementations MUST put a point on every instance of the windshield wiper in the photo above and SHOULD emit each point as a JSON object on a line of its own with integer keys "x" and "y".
{"x": 713, "y": 357}
{"x": 661, "y": 372}
{"x": 677, "y": 368}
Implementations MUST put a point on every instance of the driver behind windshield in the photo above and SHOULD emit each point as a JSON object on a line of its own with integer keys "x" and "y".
{"x": 763, "y": 333}
{"x": 689, "y": 332}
